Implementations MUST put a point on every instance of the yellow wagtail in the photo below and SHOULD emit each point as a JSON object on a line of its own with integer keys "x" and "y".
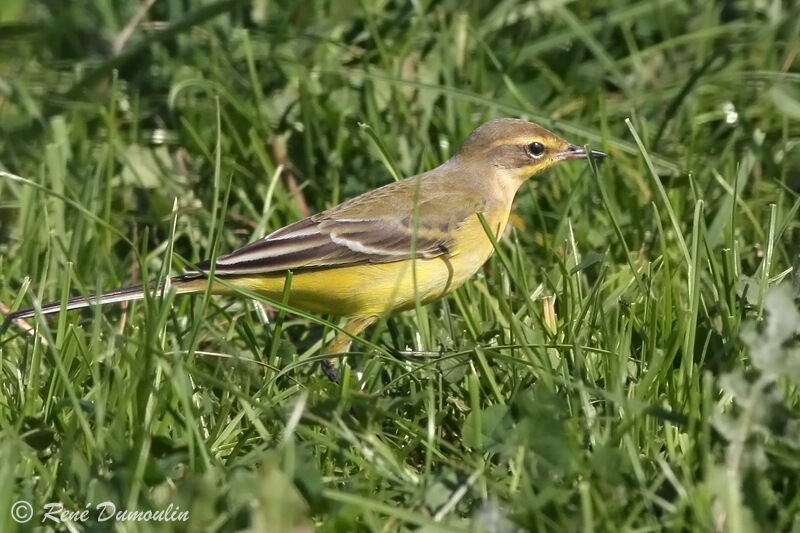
{"x": 357, "y": 259}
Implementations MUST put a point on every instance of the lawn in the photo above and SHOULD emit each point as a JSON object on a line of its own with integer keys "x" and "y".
{"x": 628, "y": 360}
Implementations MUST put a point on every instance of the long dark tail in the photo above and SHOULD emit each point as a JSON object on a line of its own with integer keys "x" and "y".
{"x": 182, "y": 284}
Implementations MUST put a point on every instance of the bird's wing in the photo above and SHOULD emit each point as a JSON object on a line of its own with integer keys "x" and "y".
{"x": 381, "y": 226}
{"x": 311, "y": 243}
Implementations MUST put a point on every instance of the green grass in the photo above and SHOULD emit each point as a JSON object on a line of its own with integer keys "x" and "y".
{"x": 630, "y": 360}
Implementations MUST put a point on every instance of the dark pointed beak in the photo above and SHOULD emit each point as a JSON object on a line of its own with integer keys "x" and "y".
{"x": 579, "y": 152}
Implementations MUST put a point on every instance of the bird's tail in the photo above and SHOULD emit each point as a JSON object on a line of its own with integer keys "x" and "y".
{"x": 183, "y": 284}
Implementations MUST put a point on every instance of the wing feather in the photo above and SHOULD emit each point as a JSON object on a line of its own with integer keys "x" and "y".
{"x": 310, "y": 244}
{"x": 376, "y": 227}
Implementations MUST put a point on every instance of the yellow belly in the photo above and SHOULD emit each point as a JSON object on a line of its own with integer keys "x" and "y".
{"x": 375, "y": 289}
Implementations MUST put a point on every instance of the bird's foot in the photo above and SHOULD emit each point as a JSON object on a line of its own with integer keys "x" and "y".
{"x": 330, "y": 371}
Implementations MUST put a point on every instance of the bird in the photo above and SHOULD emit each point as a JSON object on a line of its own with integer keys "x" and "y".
{"x": 411, "y": 241}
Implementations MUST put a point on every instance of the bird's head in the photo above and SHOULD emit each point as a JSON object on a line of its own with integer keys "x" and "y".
{"x": 519, "y": 148}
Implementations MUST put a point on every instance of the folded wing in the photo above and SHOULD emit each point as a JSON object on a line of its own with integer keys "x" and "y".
{"x": 318, "y": 242}
{"x": 415, "y": 217}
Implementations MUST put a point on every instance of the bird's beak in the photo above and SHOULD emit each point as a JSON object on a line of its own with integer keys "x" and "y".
{"x": 579, "y": 152}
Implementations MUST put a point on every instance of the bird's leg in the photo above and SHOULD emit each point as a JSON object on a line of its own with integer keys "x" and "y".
{"x": 341, "y": 342}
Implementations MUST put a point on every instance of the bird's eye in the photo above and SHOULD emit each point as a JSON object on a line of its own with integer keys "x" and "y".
{"x": 536, "y": 149}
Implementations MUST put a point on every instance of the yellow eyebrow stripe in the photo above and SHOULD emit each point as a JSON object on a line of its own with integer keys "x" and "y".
{"x": 515, "y": 140}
